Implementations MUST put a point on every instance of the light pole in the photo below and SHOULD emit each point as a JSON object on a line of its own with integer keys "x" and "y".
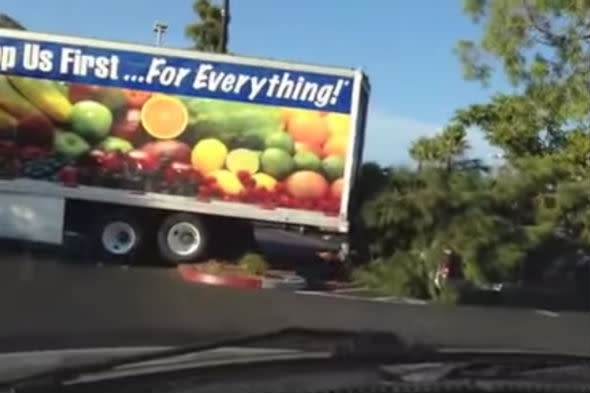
{"x": 224, "y": 26}
{"x": 160, "y": 29}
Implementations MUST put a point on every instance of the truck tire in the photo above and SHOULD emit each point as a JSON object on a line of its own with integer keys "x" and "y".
{"x": 119, "y": 235}
{"x": 182, "y": 237}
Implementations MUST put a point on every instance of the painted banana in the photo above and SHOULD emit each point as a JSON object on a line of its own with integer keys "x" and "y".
{"x": 12, "y": 102}
{"x": 8, "y": 123}
{"x": 44, "y": 95}
{"x": 61, "y": 86}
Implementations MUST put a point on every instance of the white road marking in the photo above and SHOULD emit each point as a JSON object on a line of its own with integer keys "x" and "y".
{"x": 388, "y": 299}
{"x": 382, "y": 299}
{"x": 547, "y": 313}
{"x": 327, "y": 294}
{"x": 396, "y": 299}
{"x": 347, "y": 290}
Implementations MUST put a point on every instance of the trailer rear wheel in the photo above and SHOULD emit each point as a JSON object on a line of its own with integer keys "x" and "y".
{"x": 182, "y": 238}
{"x": 119, "y": 235}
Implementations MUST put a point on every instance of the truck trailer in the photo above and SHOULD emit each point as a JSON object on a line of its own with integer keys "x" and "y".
{"x": 134, "y": 145}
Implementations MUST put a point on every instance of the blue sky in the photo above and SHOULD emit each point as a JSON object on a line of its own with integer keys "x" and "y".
{"x": 404, "y": 46}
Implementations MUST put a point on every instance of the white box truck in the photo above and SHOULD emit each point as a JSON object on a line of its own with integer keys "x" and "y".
{"x": 133, "y": 145}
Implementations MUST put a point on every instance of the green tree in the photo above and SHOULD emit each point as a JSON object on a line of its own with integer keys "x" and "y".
{"x": 207, "y": 32}
{"x": 544, "y": 129}
{"x": 420, "y": 214}
{"x": 446, "y": 149}
{"x": 544, "y": 49}
{"x": 536, "y": 207}
{"x": 424, "y": 151}
{"x": 6, "y": 22}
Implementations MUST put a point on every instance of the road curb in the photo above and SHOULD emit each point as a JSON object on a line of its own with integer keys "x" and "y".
{"x": 283, "y": 280}
{"x": 273, "y": 280}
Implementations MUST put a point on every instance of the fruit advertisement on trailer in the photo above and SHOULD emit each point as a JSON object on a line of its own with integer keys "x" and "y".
{"x": 87, "y": 115}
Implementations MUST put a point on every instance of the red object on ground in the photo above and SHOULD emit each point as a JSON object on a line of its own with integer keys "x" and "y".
{"x": 191, "y": 273}
{"x": 272, "y": 279}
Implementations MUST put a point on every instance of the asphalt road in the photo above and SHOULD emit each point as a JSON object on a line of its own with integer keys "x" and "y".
{"x": 48, "y": 304}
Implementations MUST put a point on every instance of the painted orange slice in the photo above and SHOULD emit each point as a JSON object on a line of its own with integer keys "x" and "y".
{"x": 164, "y": 117}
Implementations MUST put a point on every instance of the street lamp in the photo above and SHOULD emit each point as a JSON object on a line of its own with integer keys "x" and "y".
{"x": 159, "y": 28}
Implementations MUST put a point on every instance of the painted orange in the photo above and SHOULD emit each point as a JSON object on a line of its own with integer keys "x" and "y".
{"x": 310, "y": 128}
{"x": 307, "y": 185}
{"x": 336, "y": 188}
{"x": 164, "y": 117}
{"x": 336, "y": 146}
{"x": 286, "y": 114}
{"x": 302, "y": 146}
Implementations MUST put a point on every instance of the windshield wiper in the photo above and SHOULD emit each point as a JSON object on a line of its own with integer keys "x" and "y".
{"x": 339, "y": 343}
{"x": 380, "y": 348}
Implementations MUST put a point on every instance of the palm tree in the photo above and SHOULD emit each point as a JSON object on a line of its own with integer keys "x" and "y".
{"x": 423, "y": 150}
{"x": 452, "y": 145}
{"x": 207, "y": 32}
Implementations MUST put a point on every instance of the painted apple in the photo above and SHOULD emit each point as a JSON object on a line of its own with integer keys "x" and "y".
{"x": 143, "y": 161}
{"x": 176, "y": 150}
{"x": 128, "y": 125}
{"x": 80, "y": 92}
{"x": 112, "y": 161}
{"x": 177, "y": 171}
{"x": 35, "y": 130}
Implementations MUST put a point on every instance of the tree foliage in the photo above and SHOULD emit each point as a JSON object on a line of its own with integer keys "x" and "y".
{"x": 511, "y": 222}
{"x": 6, "y": 22}
{"x": 206, "y": 32}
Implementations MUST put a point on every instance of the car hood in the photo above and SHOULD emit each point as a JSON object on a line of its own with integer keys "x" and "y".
{"x": 26, "y": 365}
{"x": 16, "y": 365}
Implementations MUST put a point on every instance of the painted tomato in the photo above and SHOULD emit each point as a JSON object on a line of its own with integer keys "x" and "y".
{"x": 136, "y": 98}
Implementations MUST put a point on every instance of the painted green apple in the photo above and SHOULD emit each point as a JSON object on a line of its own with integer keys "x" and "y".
{"x": 91, "y": 120}
{"x": 333, "y": 167}
{"x": 70, "y": 144}
{"x": 113, "y": 98}
{"x": 113, "y": 143}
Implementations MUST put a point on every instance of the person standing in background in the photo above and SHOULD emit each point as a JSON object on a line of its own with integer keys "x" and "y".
{"x": 450, "y": 269}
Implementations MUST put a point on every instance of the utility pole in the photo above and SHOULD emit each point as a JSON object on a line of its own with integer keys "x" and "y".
{"x": 224, "y": 26}
{"x": 160, "y": 29}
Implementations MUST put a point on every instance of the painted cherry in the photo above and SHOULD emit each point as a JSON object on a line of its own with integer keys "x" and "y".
{"x": 112, "y": 162}
{"x": 32, "y": 152}
{"x": 68, "y": 175}
{"x": 7, "y": 148}
{"x": 177, "y": 171}
{"x": 143, "y": 161}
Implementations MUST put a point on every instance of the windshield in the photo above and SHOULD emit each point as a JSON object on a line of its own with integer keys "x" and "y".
{"x": 194, "y": 171}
